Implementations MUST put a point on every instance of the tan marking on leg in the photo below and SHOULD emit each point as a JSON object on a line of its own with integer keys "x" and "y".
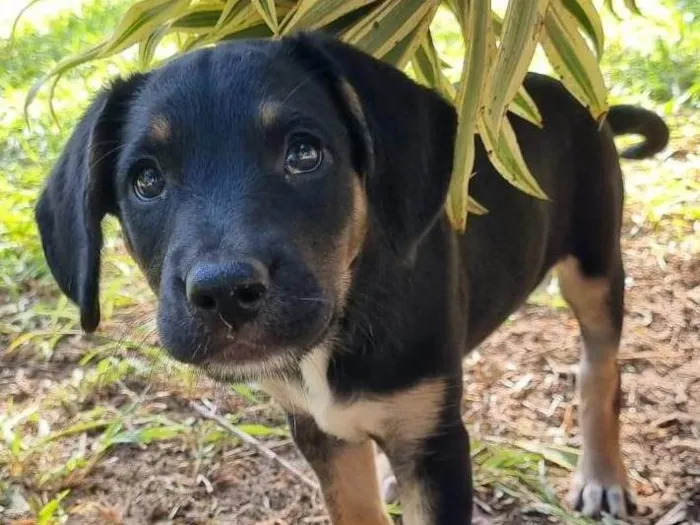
{"x": 588, "y": 297}
{"x": 416, "y": 506}
{"x": 601, "y": 466}
{"x": 160, "y": 129}
{"x": 352, "y": 491}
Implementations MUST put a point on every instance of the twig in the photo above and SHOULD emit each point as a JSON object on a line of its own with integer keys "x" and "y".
{"x": 250, "y": 440}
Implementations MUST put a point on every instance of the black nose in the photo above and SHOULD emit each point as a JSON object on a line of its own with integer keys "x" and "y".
{"x": 234, "y": 289}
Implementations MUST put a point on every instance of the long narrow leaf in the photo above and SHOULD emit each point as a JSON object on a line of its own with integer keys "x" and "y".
{"x": 380, "y": 31}
{"x": 523, "y": 106}
{"x": 504, "y": 153}
{"x": 268, "y": 13}
{"x": 588, "y": 18}
{"x": 428, "y": 67}
{"x": 314, "y": 14}
{"x": 477, "y": 16}
{"x": 406, "y": 48}
{"x": 522, "y": 26}
{"x": 573, "y": 60}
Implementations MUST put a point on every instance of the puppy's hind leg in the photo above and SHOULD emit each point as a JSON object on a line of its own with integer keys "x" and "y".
{"x": 600, "y": 483}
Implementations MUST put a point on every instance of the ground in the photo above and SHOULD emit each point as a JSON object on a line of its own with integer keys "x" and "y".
{"x": 102, "y": 429}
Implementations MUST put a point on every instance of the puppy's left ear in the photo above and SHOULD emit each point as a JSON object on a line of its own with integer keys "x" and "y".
{"x": 403, "y": 134}
{"x": 78, "y": 194}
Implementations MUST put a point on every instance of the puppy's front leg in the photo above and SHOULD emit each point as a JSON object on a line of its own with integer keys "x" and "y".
{"x": 434, "y": 474}
{"x": 346, "y": 472}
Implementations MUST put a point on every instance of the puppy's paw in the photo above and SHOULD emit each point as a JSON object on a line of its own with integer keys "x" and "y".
{"x": 592, "y": 495}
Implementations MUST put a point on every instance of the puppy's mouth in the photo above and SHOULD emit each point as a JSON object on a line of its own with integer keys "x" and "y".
{"x": 240, "y": 359}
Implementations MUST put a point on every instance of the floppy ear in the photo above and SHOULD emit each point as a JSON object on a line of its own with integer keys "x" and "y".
{"x": 78, "y": 194}
{"x": 403, "y": 134}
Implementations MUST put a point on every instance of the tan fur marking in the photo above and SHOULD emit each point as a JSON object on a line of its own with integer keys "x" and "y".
{"x": 352, "y": 494}
{"x": 587, "y": 296}
{"x": 404, "y": 417}
{"x": 601, "y": 461}
{"x": 416, "y": 510}
{"x": 160, "y": 129}
{"x": 268, "y": 112}
{"x": 358, "y": 222}
{"x": 353, "y": 101}
{"x": 407, "y": 416}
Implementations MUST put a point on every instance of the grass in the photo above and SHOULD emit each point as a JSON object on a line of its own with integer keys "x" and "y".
{"x": 101, "y": 397}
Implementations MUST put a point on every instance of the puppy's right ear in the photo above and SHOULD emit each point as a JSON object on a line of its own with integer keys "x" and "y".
{"x": 79, "y": 193}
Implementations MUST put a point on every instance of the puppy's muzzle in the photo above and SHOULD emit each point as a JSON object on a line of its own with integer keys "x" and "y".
{"x": 233, "y": 290}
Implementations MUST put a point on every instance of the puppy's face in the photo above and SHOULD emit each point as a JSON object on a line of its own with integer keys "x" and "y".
{"x": 239, "y": 199}
{"x": 248, "y": 180}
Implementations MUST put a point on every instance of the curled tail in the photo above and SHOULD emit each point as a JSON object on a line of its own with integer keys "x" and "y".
{"x": 624, "y": 119}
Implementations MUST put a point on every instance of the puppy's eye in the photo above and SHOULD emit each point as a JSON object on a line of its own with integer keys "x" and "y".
{"x": 149, "y": 183}
{"x": 304, "y": 154}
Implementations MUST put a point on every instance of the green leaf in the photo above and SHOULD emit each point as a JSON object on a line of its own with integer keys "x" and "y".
{"x": 429, "y": 68}
{"x": 573, "y": 60}
{"x": 268, "y": 12}
{"x": 385, "y": 26}
{"x": 314, "y": 14}
{"x": 139, "y": 21}
{"x": 402, "y": 52}
{"x": 504, "y": 153}
{"x": 632, "y": 6}
{"x": 147, "y": 48}
{"x": 588, "y": 18}
{"x": 476, "y": 27}
{"x": 523, "y": 23}
{"x": 198, "y": 19}
{"x": 475, "y": 208}
{"x": 523, "y": 106}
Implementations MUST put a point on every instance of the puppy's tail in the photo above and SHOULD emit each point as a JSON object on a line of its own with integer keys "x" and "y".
{"x": 624, "y": 119}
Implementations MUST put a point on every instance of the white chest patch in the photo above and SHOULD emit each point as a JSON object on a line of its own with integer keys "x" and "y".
{"x": 411, "y": 413}
{"x": 351, "y": 421}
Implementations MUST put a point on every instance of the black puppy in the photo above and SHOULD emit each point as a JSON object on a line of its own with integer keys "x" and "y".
{"x": 285, "y": 201}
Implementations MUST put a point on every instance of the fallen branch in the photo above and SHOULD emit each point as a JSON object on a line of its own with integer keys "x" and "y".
{"x": 210, "y": 413}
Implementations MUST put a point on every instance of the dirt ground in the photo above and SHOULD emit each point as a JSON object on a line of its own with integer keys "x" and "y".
{"x": 519, "y": 385}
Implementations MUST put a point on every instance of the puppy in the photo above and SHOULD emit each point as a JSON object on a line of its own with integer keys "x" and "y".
{"x": 285, "y": 202}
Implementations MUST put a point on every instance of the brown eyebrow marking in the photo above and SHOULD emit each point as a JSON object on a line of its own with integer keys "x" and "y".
{"x": 268, "y": 112}
{"x": 160, "y": 128}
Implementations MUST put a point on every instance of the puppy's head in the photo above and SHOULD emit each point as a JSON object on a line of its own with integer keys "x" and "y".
{"x": 250, "y": 181}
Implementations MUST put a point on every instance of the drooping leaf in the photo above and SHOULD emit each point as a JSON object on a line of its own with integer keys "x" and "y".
{"x": 588, "y": 18}
{"x": 268, "y": 13}
{"x": 476, "y": 17}
{"x": 315, "y": 14}
{"x": 573, "y": 60}
{"x": 504, "y": 153}
{"x": 522, "y": 25}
